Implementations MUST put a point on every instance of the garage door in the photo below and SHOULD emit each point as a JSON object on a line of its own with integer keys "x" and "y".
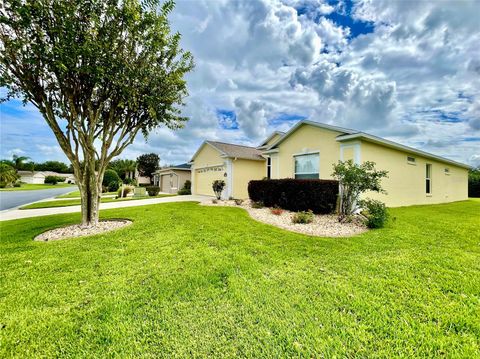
{"x": 165, "y": 183}
{"x": 204, "y": 178}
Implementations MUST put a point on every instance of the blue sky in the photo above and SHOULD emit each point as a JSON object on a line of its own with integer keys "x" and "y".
{"x": 407, "y": 71}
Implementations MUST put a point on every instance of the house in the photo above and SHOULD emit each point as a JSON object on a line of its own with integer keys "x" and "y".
{"x": 309, "y": 150}
{"x": 171, "y": 179}
{"x": 235, "y": 164}
{"x": 38, "y": 177}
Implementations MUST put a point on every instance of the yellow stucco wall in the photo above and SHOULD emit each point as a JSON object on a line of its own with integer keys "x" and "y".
{"x": 406, "y": 182}
{"x": 307, "y": 139}
{"x": 202, "y": 178}
{"x": 243, "y": 172}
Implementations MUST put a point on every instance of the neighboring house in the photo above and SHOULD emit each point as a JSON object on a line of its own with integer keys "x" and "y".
{"x": 135, "y": 175}
{"x": 309, "y": 150}
{"x": 236, "y": 165}
{"x": 38, "y": 177}
{"x": 171, "y": 179}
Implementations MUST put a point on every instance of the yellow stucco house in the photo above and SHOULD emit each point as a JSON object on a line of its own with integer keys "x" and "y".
{"x": 309, "y": 150}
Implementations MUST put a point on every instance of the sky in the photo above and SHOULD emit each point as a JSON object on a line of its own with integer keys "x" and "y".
{"x": 408, "y": 71}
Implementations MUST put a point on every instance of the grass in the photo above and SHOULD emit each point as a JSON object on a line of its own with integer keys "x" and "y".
{"x": 31, "y": 187}
{"x": 76, "y": 194}
{"x": 76, "y": 202}
{"x": 186, "y": 280}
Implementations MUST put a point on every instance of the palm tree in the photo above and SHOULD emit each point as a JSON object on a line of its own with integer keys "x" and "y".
{"x": 123, "y": 167}
{"x": 18, "y": 161}
{"x": 8, "y": 175}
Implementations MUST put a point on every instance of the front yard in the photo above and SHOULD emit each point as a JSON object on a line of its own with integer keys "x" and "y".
{"x": 187, "y": 280}
{"x": 32, "y": 187}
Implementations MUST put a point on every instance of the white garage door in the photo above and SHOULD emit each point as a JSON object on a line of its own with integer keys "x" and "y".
{"x": 204, "y": 178}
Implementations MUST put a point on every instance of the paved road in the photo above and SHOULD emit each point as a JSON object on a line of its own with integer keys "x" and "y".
{"x": 27, "y": 213}
{"x": 12, "y": 199}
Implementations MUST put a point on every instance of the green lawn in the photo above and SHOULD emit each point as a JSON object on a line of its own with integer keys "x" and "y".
{"x": 76, "y": 194}
{"x": 30, "y": 187}
{"x": 186, "y": 280}
{"x": 76, "y": 202}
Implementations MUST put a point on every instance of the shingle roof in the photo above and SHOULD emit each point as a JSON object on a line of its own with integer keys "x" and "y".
{"x": 238, "y": 151}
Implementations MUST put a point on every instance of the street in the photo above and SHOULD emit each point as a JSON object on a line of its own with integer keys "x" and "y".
{"x": 12, "y": 199}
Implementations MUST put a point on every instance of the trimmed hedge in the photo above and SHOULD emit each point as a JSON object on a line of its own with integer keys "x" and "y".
{"x": 319, "y": 196}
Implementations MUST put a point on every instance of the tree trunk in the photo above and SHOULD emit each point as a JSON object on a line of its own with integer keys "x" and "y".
{"x": 90, "y": 187}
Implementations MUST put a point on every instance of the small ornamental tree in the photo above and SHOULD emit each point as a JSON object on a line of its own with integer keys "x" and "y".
{"x": 99, "y": 72}
{"x": 218, "y": 186}
{"x": 8, "y": 175}
{"x": 147, "y": 164}
{"x": 354, "y": 180}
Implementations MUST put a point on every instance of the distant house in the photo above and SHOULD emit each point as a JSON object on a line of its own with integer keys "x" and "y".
{"x": 38, "y": 177}
{"x": 171, "y": 179}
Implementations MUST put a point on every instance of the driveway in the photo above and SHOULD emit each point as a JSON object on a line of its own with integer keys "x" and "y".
{"x": 12, "y": 199}
{"x": 27, "y": 213}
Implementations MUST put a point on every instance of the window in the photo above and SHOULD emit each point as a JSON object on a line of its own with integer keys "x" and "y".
{"x": 428, "y": 179}
{"x": 269, "y": 167}
{"x": 411, "y": 160}
{"x": 306, "y": 166}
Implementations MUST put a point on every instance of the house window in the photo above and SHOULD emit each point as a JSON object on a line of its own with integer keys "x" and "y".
{"x": 428, "y": 179}
{"x": 411, "y": 160}
{"x": 306, "y": 166}
{"x": 269, "y": 167}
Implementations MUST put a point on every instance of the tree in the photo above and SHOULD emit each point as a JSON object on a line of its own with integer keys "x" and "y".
{"x": 354, "y": 180}
{"x": 99, "y": 72}
{"x": 19, "y": 162}
{"x": 122, "y": 167}
{"x": 8, "y": 175}
{"x": 474, "y": 182}
{"x": 54, "y": 166}
{"x": 111, "y": 180}
{"x": 147, "y": 164}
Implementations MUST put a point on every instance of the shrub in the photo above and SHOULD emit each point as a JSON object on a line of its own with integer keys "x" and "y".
{"x": 16, "y": 184}
{"x": 375, "y": 212}
{"x": 218, "y": 186}
{"x": 276, "y": 211}
{"x": 354, "y": 180}
{"x": 3, "y": 185}
{"x": 126, "y": 191}
{"x": 109, "y": 177}
{"x": 113, "y": 186}
{"x": 238, "y": 202}
{"x": 474, "y": 182}
{"x": 54, "y": 179}
{"x": 186, "y": 189}
{"x": 258, "y": 204}
{"x": 130, "y": 181}
{"x": 296, "y": 194}
{"x": 153, "y": 190}
{"x": 303, "y": 217}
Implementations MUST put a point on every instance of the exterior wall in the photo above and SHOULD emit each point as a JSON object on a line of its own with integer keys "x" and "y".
{"x": 307, "y": 139}
{"x": 207, "y": 167}
{"x": 38, "y": 179}
{"x": 243, "y": 172}
{"x": 405, "y": 184}
{"x": 171, "y": 181}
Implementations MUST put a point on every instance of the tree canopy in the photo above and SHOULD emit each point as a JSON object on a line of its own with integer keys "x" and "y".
{"x": 99, "y": 72}
{"x": 147, "y": 164}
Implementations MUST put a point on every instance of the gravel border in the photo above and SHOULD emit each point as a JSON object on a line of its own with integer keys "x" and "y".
{"x": 77, "y": 230}
{"x": 326, "y": 225}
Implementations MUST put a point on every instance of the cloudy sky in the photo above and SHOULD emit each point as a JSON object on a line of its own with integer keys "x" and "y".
{"x": 405, "y": 70}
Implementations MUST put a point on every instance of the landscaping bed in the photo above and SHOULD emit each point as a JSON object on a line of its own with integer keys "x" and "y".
{"x": 326, "y": 225}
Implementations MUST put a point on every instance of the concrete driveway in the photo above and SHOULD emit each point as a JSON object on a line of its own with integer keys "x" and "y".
{"x": 27, "y": 213}
{"x": 12, "y": 199}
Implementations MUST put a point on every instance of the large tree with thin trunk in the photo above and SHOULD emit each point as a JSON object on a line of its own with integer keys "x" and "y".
{"x": 99, "y": 71}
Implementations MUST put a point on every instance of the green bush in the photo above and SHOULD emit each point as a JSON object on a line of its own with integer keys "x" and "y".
{"x": 218, "y": 186}
{"x": 113, "y": 186}
{"x": 303, "y": 217}
{"x": 130, "y": 181}
{"x": 109, "y": 177}
{"x": 17, "y": 184}
{"x": 54, "y": 179}
{"x": 153, "y": 190}
{"x": 186, "y": 189}
{"x": 375, "y": 212}
{"x": 258, "y": 204}
{"x": 3, "y": 185}
{"x": 126, "y": 191}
